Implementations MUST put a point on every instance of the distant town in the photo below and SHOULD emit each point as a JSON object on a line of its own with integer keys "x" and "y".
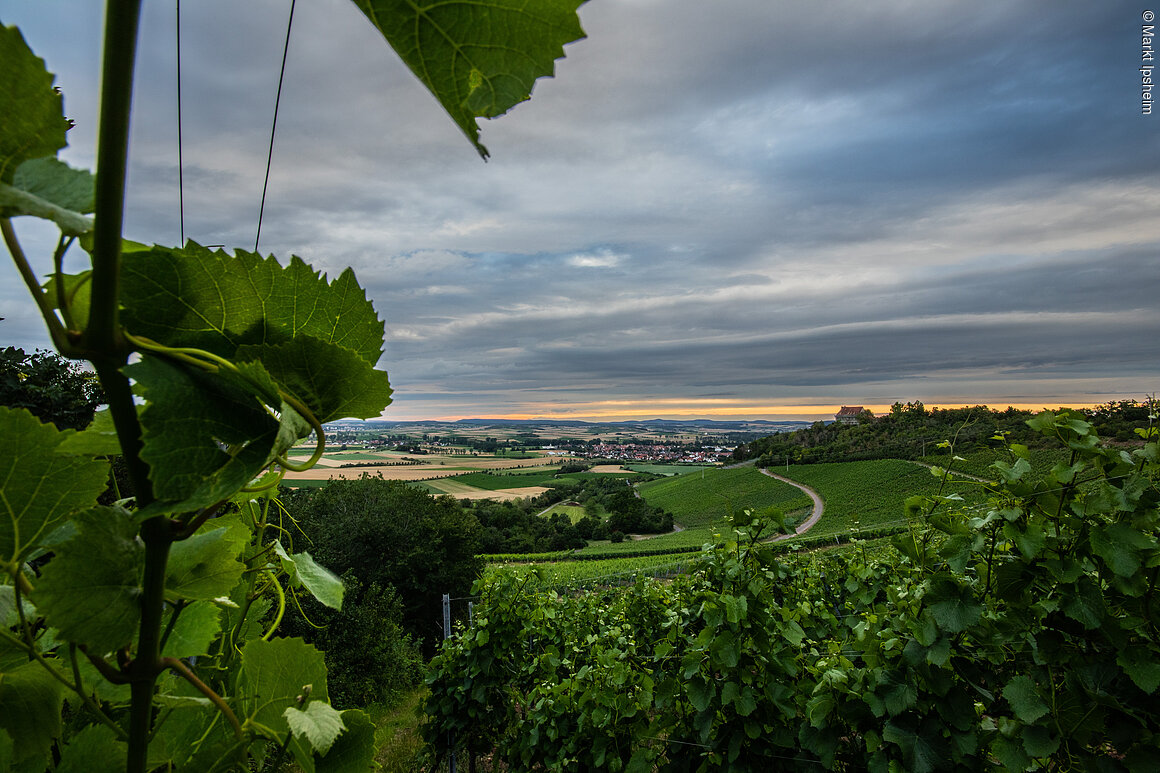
{"x": 670, "y": 441}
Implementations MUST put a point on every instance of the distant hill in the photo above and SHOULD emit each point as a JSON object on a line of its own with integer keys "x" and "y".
{"x": 702, "y": 425}
{"x": 911, "y": 431}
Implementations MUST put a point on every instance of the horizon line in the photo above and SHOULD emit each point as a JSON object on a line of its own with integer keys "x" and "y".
{"x": 816, "y": 412}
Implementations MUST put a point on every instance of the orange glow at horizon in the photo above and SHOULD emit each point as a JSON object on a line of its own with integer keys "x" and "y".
{"x": 713, "y": 408}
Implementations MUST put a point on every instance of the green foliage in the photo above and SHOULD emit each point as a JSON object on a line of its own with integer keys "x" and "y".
{"x": 41, "y": 486}
{"x": 1019, "y": 633}
{"x": 370, "y": 657}
{"x": 50, "y": 387}
{"x": 37, "y": 128}
{"x": 862, "y": 495}
{"x": 707, "y": 497}
{"x": 908, "y": 432}
{"x": 235, "y": 359}
{"x": 390, "y": 535}
{"x": 478, "y": 59}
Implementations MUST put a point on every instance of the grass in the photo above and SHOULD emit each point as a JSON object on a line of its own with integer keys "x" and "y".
{"x": 574, "y": 512}
{"x": 707, "y": 497}
{"x": 398, "y": 745}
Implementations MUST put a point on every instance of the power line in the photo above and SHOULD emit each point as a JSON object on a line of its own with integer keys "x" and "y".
{"x": 180, "y": 164}
{"x": 274, "y": 124}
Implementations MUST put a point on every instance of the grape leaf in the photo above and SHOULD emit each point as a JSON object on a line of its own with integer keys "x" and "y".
{"x": 1020, "y": 692}
{"x": 206, "y": 435}
{"x": 50, "y": 189}
{"x": 14, "y": 201}
{"x": 953, "y": 607}
{"x": 97, "y": 439}
{"x": 210, "y": 300}
{"x": 90, "y": 591}
{"x": 54, "y": 181}
{"x": 34, "y": 122}
{"x": 205, "y": 566}
{"x": 1140, "y": 663}
{"x": 77, "y": 293}
{"x": 320, "y": 581}
{"x": 196, "y": 628}
{"x": 7, "y": 750}
{"x": 9, "y": 617}
{"x": 39, "y": 488}
{"x": 1119, "y": 545}
{"x": 273, "y": 675}
{"x": 320, "y": 724}
{"x": 93, "y": 750}
{"x": 1084, "y": 603}
{"x": 478, "y": 58}
{"x": 30, "y": 705}
{"x": 354, "y": 750}
{"x": 917, "y": 749}
{"x": 306, "y": 366}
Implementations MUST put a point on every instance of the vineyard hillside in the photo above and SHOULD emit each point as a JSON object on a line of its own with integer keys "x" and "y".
{"x": 708, "y": 497}
{"x": 871, "y": 494}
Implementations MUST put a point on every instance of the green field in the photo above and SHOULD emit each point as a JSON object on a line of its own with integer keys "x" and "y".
{"x": 708, "y": 496}
{"x": 574, "y": 512}
{"x": 667, "y": 469}
{"x": 690, "y": 539}
{"x": 592, "y": 475}
{"x": 868, "y": 494}
{"x": 300, "y": 483}
{"x": 574, "y": 573}
{"x": 489, "y": 482}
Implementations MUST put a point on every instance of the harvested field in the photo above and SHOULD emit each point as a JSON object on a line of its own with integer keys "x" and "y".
{"x": 432, "y": 467}
{"x": 390, "y": 473}
{"x": 463, "y": 491}
{"x": 608, "y": 468}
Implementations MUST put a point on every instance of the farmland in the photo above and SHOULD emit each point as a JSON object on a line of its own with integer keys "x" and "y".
{"x": 868, "y": 494}
{"x": 709, "y": 497}
{"x": 396, "y": 466}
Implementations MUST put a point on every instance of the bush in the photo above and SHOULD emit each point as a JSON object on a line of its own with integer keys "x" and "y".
{"x": 370, "y": 658}
{"x": 387, "y": 534}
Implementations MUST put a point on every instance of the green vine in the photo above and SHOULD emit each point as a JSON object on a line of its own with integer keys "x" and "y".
{"x": 188, "y": 566}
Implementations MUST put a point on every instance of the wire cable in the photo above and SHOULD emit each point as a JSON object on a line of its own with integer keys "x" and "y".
{"x": 180, "y": 163}
{"x": 274, "y": 124}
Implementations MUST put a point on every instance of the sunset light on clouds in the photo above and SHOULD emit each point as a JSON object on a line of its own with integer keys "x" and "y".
{"x": 744, "y": 209}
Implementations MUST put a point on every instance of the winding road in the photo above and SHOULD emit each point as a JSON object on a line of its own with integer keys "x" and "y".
{"x": 815, "y": 514}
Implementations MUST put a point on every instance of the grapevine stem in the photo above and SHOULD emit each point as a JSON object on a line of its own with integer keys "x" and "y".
{"x": 55, "y": 329}
{"x": 122, "y": 19}
{"x": 62, "y": 302}
{"x": 204, "y": 689}
{"x": 281, "y": 608}
{"x": 158, "y": 537}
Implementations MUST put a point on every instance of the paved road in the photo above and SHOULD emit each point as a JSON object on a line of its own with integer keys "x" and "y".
{"x": 815, "y": 514}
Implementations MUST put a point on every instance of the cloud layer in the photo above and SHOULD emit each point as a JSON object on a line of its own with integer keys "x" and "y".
{"x": 714, "y": 206}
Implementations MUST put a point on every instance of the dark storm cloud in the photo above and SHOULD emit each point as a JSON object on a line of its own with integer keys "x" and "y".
{"x": 743, "y": 199}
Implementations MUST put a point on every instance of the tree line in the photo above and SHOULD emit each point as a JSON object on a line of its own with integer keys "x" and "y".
{"x": 912, "y": 431}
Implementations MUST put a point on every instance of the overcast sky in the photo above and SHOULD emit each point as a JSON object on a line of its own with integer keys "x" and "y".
{"x": 738, "y": 208}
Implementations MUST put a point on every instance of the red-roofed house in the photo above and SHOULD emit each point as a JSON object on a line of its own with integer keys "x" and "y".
{"x": 848, "y": 414}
